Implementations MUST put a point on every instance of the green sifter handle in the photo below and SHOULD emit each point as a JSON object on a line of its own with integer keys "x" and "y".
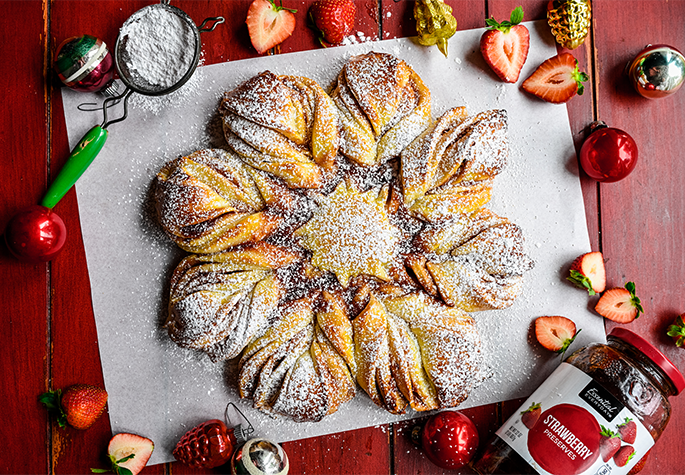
{"x": 81, "y": 157}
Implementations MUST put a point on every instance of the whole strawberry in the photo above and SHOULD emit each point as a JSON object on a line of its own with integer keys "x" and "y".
{"x": 628, "y": 431}
{"x": 333, "y": 20}
{"x": 79, "y": 405}
{"x": 624, "y": 455}
{"x": 531, "y": 415}
{"x": 609, "y": 443}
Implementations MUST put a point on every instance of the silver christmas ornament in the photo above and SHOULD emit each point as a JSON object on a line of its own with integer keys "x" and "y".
{"x": 259, "y": 457}
{"x": 657, "y": 71}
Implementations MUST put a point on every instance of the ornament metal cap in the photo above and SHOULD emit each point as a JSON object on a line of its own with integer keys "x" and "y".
{"x": 657, "y": 71}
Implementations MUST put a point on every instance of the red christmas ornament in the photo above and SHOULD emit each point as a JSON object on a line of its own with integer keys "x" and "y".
{"x": 608, "y": 154}
{"x": 35, "y": 234}
{"x": 208, "y": 445}
{"x": 449, "y": 439}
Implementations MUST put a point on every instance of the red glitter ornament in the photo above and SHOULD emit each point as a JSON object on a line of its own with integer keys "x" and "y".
{"x": 207, "y": 445}
{"x": 449, "y": 439}
{"x": 608, "y": 154}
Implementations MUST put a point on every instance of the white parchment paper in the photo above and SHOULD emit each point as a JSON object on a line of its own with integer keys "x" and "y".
{"x": 159, "y": 390}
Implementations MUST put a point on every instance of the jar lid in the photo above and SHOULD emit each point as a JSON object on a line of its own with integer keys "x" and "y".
{"x": 653, "y": 354}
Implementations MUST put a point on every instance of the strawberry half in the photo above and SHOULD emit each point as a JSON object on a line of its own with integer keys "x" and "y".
{"x": 332, "y": 20}
{"x": 79, "y": 405}
{"x": 128, "y": 454}
{"x": 587, "y": 272}
{"x": 620, "y": 305}
{"x": 504, "y": 46}
{"x": 624, "y": 455}
{"x": 556, "y": 80}
{"x": 628, "y": 431}
{"x": 609, "y": 443}
{"x": 677, "y": 331}
{"x": 531, "y": 415}
{"x": 555, "y": 333}
{"x": 269, "y": 24}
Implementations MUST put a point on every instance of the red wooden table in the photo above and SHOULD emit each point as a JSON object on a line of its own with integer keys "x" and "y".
{"x": 47, "y": 329}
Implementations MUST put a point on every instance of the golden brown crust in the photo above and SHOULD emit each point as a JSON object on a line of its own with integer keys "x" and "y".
{"x": 383, "y": 105}
{"x": 412, "y": 350}
{"x": 479, "y": 264}
{"x": 210, "y": 201}
{"x": 403, "y": 248}
{"x": 448, "y": 170}
{"x": 284, "y": 125}
{"x": 218, "y": 302}
{"x": 300, "y": 367}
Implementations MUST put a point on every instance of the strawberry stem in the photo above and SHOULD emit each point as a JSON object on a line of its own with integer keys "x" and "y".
{"x": 634, "y": 299}
{"x": 53, "y": 402}
{"x": 582, "y": 281}
{"x": 580, "y": 77}
{"x": 505, "y": 26}
{"x": 677, "y": 330}
{"x": 533, "y": 406}
{"x": 278, "y": 8}
{"x": 567, "y": 343}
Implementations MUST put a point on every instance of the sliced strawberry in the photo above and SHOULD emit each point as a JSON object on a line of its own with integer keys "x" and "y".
{"x": 531, "y": 415}
{"x": 555, "y": 333}
{"x": 677, "y": 331}
{"x": 624, "y": 455}
{"x": 628, "y": 431}
{"x": 333, "y": 20}
{"x": 620, "y": 304}
{"x": 269, "y": 24}
{"x": 128, "y": 454}
{"x": 505, "y": 46}
{"x": 609, "y": 443}
{"x": 556, "y": 80}
{"x": 587, "y": 272}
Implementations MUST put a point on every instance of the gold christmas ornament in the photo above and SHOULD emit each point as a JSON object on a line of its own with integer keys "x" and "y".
{"x": 570, "y": 21}
{"x": 434, "y": 23}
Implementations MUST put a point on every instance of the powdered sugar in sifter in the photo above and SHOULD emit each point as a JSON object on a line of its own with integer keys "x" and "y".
{"x": 156, "y": 52}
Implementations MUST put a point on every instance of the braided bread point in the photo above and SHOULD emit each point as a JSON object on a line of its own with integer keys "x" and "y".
{"x": 218, "y": 302}
{"x": 448, "y": 169}
{"x": 480, "y": 263}
{"x": 284, "y": 125}
{"x": 302, "y": 366}
{"x": 413, "y": 350}
{"x": 383, "y": 105}
{"x": 210, "y": 201}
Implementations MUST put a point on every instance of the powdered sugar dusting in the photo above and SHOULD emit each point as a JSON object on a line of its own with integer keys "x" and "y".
{"x": 158, "y": 47}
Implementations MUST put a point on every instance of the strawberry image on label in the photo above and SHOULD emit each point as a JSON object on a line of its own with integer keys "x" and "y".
{"x": 565, "y": 440}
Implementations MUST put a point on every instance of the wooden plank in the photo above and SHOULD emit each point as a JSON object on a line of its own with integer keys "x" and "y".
{"x": 75, "y": 353}
{"x": 23, "y": 305}
{"x": 643, "y": 216}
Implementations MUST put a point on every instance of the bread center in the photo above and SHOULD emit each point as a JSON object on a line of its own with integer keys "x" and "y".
{"x": 350, "y": 234}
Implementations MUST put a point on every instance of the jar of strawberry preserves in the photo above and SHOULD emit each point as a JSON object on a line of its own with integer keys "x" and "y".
{"x": 598, "y": 413}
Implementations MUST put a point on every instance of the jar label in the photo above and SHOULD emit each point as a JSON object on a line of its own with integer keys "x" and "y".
{"x": 571, "y": 425}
